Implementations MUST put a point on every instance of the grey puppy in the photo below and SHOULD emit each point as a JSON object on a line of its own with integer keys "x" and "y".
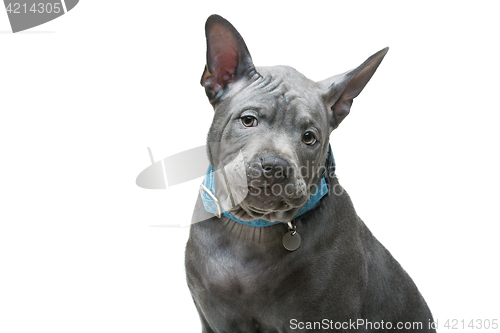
{"x": 266, "y": 265}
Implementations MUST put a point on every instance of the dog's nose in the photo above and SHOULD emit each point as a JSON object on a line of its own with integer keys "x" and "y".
{"x": 275, "y": 167}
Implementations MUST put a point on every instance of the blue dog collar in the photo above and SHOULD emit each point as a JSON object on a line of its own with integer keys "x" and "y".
{"x": 212, "y": 206}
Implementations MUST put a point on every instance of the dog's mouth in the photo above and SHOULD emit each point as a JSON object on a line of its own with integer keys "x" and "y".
{"x": 280, "y": 207}
{"x": 268, "y": 202}
{"x": 283, "y": 212}
{"x": 259, "y": 191}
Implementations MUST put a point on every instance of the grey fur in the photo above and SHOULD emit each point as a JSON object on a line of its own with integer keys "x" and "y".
{"x": 241, "y": 278}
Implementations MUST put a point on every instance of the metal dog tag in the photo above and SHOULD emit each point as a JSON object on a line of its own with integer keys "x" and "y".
{"x": 291, "y": 240}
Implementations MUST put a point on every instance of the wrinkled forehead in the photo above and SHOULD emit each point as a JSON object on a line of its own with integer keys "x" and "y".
{"x": 279, "y": 93}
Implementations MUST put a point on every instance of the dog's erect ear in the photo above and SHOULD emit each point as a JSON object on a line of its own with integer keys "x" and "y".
{"x": 340, "y": 90}
{"x": 228, "y": 59}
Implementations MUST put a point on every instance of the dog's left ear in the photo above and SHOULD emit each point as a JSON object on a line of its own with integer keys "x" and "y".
{"x": 228, "y": 59}
{"x": 340, "y": 90}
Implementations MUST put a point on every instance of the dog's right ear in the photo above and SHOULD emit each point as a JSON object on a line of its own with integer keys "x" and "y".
{"x": 228, "y": 59}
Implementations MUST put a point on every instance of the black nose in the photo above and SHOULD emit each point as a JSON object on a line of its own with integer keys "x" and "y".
{"x": 275, "y": 167}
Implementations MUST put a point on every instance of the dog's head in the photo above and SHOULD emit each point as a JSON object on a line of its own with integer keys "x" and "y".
{"x": 271, "y": 125}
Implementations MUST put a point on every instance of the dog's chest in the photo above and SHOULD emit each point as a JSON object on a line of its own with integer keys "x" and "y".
{"x": 242, "y": 269}
{"x": 241, "y": 281}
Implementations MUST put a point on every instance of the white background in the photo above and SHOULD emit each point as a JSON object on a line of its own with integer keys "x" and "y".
{"x": 82, "y": 97}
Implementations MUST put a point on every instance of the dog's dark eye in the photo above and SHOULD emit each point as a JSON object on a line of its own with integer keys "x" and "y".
{"x": 249, "y": 121}
{"x": 308, "y": 138}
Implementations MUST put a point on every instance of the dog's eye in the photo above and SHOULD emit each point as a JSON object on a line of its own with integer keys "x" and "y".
{"x": 308, "y": 138}
{"x": 249, "y": 121}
